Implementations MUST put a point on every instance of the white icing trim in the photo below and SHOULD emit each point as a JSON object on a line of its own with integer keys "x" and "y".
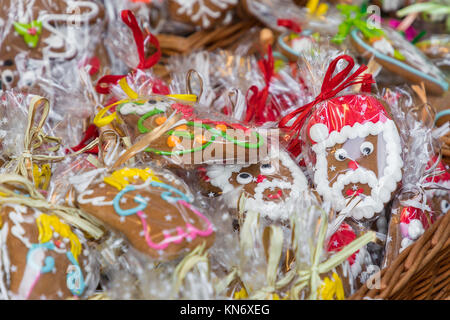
{"x": 132, "y": 108}
{"x": 96, "y": 201}
{"x": 203, "y": 12}
{"x": 219, "y": 177}
{"x": 381, "y": 188}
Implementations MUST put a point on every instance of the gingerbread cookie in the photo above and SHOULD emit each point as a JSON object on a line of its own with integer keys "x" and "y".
{"x": 153, "y": 211}
{"x": 354, "y": 152}
{"x": 203, "y": 13}
{"x": 42, "y": 257}
{"x": 437, "y": 48}
{"x": 32, "y": 36}
{"x": 192, "y": 139}
{"x": 397, "y": 55}
{"x": 271, "y": 188}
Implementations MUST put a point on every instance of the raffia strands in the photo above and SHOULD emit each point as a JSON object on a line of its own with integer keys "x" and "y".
{"x": 34, "y": 199}
{"x": 35, "y": 137}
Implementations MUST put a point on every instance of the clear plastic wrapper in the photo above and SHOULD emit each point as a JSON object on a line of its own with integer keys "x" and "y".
{"x": 389, "y": 48}
{"x": 43, "y": 257}
{"x": 352, "y": 145}
{"x": 37, "y": 37}
{"x": 175, "y": 131}
{"x": 270, "y": 186}
{"x": 424, "y": 193}
{"x": 152, "y": 209}
{"x": 437, "y": 48}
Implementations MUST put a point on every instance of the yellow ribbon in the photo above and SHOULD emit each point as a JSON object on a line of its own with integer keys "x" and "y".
{"x": 101, "y": 120}
{"x": 34, "y": 138}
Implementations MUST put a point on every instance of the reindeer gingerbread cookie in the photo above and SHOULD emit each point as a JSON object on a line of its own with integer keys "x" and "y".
{"x": 31, "y": 36}
{"x": 42, "y": 257}
{"x": 270, "y": 187}
{"x": 153, "y": 211}
{"x": 354, "y": 152}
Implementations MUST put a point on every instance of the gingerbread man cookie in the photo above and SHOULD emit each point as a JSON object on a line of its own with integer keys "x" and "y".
{"x": 42, "y": 257}
{"x": 355, "y": 152}
{"x": 153, "y": 211}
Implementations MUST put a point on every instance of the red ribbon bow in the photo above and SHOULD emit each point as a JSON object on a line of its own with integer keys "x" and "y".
{"x": 90, "y": 134}
{"x": 290, "y": 24}
{"x": 104, "y": 84}
{"x": 257, "y": 108}
{"x": 331, "y": 86}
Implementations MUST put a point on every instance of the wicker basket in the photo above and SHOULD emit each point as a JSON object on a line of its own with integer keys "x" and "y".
{"x": 420, "y": 272}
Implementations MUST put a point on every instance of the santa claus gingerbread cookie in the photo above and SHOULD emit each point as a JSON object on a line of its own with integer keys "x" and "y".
{"x": 354, "y": 151}
{"x": 153, "y": 211}
{"x": 31, "y": 36}
{"x": 42, "y": 257}
{"x": 270, "y": 187}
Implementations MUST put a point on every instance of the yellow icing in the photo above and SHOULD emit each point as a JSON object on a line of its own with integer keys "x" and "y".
{"x": 121, "y": 178}
{"x": 48, "y": 224}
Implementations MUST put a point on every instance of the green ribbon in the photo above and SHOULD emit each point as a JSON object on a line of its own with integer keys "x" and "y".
{"x": 30, "y": 32}
{"x": 355, "y": 17}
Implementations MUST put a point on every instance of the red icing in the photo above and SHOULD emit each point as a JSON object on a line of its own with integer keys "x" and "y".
{"x": 260, "y": 178}
{"x": 347, "y": 111}
{"x": 342, "y": 237}
{"x": 32, "y": 31}
{"x": 353, "y": 165}
{"x": 411, "y": 213}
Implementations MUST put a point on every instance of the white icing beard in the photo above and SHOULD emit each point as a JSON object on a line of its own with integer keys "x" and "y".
{"x": 141, "y": 109}
{"x": 219, "y": 177}
{"x": 381, "y": 188}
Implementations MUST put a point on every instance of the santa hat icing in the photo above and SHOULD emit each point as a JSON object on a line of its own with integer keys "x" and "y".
{"x": 338, "y": 117}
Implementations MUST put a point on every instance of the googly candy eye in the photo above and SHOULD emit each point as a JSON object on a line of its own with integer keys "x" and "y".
{"x": 445, "y": 206}
{"x": 244, "y": 178}
{"x": 267, "y": 168}
{"x": 341, "y": 154}
{"x": 366, "y": 148}
{"x": 7, "y": 76}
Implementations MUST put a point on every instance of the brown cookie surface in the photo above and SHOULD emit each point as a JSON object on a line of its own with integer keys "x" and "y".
{"x": 153, "y": 212}
{"x": 46, "y": 259}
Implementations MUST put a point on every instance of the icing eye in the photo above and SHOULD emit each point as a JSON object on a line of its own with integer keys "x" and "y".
{"x": 7, "y": 76}
{"x": 445, "y": 206}
{"x": 244, "y": 178}
{"x": 340, "y": 154}
{"x": 152, "y": 101}
{"x": 267, "y": 168}
{"x": 366, "y": 148}
{"x": 8, "y": 63}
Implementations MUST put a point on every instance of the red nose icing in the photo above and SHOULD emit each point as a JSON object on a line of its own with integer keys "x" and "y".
{"x": 353, "y": 165}
{"x": 260, "y": 178}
